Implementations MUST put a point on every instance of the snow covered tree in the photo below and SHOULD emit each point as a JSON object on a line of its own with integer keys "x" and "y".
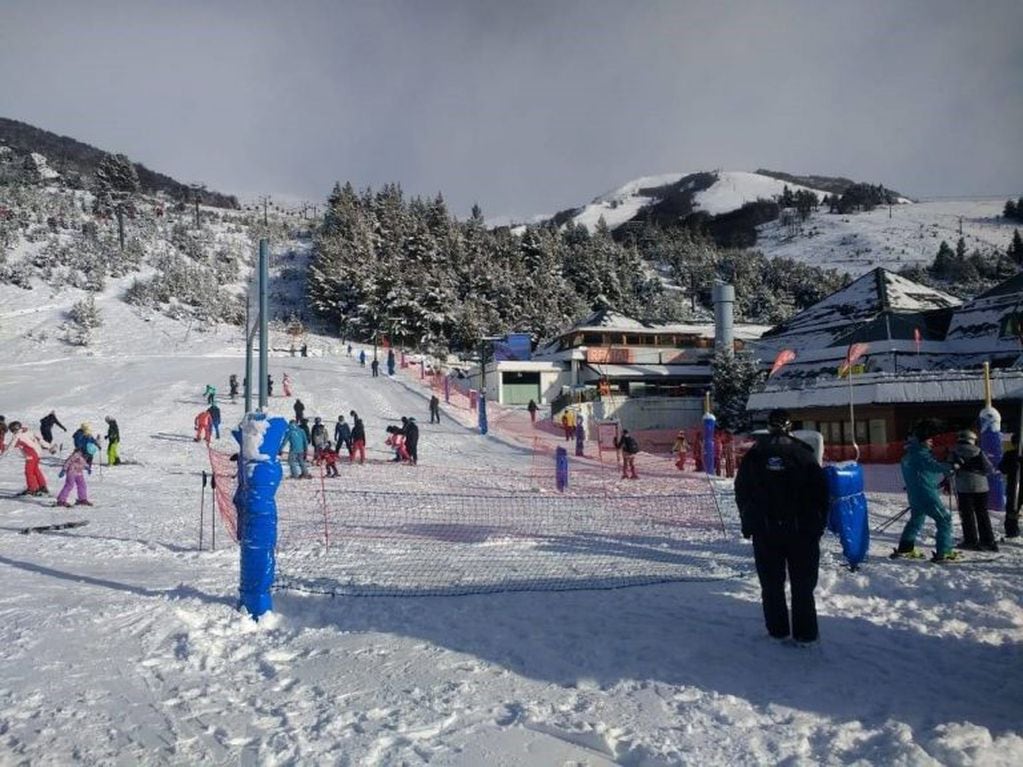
{"x": 117, "y": 183}
{"x": 733, "y": 378}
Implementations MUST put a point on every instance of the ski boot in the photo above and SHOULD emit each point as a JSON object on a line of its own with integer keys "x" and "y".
{"x": 913, "y": 553}
{"x": 948, "y": 556}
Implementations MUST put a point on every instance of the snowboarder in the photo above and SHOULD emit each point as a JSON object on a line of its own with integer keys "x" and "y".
{"x": 629, "y": 447}
{"x": 46, "y": 426}
{"x": 532, "y": 408}
{"x": 782, "y": 494}
{"x": 113, "y": 441}
{"x": 215, "y": 419}
{"x": 297, "y": 443}
{"x": 679, "y": 450}
{"x": 1010, "y": 467}
{"x": 971, "y": 485}
{"x": 286, "y": 385}
{"x": 299, "y": 410}
{"x": 411, "y": 432}
{"x": 342, "y": 435}
{"x": 31, "y": 448}
{"x": 358, "y": 438}
{"x": 434, "y": 409}
{"x": 210, "y": 394}
{"x": 374, "y": 366}
{"x": 75, "y": 468}
{"x": 203, "y": 426}
{"x": 922, "y": 473}
{"x": 232, "y": 385}
{"x": 320, "y": 441}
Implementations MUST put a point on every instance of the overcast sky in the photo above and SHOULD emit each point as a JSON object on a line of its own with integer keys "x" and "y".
{"x": 526, "y": 106}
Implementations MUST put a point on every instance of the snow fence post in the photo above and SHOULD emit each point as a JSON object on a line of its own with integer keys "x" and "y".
{"x": 447, "y": 390}
{"x": 483, "y": 413}
{"x": 561, "y": 469}
{"x": 259, "y": 474}
{"x": 709, "y": 425}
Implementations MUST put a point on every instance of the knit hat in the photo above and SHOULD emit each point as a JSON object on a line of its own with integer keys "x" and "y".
{"x": 966, "y": 435}
{"x": 778, "y": 419}
{"x": 86, "y": 428}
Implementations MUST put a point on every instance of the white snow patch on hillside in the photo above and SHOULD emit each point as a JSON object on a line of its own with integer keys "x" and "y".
{"x": 733, "y": 189}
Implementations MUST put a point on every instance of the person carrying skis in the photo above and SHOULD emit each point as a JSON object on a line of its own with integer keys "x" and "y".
{"x": 74, "y": 470}
{"x": 286, "y": 385}
{"x": 299, "y": 410}
{"x": 297, "y": 444}
{"x": 46, "y": 426}
{"x": 922, "y": 473}
{"x": 203, "y": 426}
{"x": 214, "y": 412}
{"x": 31, "y": 448}
{"x": 434, "y": 409}
{"x": 320, "y": 441}
{"x": 358, "y": 438}
{"x": 113, "y": 441}
{"x": 232, "y": 385}
{"x": 629, "y": 447}
{"x": 782, "y": 495}
{"x": 532, "y": 408}
{"x": 971, "y": 490}
{"x": 342, "y": 435}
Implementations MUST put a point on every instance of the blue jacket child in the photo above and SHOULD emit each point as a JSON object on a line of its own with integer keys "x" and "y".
{"x": 297, "y": 444}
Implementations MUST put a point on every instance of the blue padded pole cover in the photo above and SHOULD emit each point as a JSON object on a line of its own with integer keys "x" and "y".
{"x": 259, "y": 474}
{"x": 709, "y": 426}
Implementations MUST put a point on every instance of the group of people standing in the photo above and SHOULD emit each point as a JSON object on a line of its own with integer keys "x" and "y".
{"x": 75, "y": 467}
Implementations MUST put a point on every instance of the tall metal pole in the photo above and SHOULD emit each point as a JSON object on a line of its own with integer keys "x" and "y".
{"x": 248, "y": 355}
{"x": 264, "y": 341}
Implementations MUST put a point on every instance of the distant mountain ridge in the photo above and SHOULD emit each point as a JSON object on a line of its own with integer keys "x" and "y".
{"x": 77, "y": 162}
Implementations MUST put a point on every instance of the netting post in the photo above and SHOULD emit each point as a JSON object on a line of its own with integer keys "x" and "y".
{"x": 259, "y": 474}
{"x": 561, "y": 469}
{"x": 447, "y": 390}
{"x": 483, "y": 413}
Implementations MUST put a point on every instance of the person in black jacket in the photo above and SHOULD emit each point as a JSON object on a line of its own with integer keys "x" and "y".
{"x": 46, "y": 426}
{"x": 411, "y": 431}
{"x": 113, "y": 441}
{"x": 782, "y": 494}
{"x": 299, "y": 410}
{"x": 358, "y": 438}
{"x": 1010, "y": 467}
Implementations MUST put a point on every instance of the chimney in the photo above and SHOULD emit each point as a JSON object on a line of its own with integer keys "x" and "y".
{"x": 724, "y": 306}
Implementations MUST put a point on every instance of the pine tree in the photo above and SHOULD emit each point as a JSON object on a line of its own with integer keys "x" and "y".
{"x": 733, "y": 378}
{"x": 1010, "y": 210}
{"x": 117, "y": 183}
{"x": 1015, "y": 251}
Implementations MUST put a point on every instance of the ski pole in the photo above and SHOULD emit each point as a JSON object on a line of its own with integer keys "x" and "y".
{"x": 213, "y": 512}
{"x": 202, "y": 510}
{"x": 891, "y": 520}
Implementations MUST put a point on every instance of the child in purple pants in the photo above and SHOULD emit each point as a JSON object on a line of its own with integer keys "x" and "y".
{"x": 75, "y": 469}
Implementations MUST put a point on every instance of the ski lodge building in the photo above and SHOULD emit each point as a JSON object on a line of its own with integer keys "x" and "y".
{"x": 924, "y": 358}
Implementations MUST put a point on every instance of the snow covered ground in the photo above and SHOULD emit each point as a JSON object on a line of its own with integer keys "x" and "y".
{"x": 120, "y": 642}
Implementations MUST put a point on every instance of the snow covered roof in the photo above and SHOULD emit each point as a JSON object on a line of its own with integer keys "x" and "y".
{"x": 603, "y": 320}
{"x": 648, "y": 372}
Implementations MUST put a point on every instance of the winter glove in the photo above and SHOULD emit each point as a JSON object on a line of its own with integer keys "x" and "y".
{"x": 61, "y": 475}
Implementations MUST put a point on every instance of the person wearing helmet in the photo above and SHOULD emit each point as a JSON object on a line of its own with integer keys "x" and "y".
{"x": 922, "y": 474}
{"x": 113, "y": 441}
{"x": 971, "y": 484}
{"x": 74, "y": 470}
{"x": 320, "y": 440}
{"x": 782, "y": 494}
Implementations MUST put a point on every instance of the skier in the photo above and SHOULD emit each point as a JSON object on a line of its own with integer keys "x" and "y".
{"x": 320, "y": 441}
{"x": 1010, "y": 467}
{"x": 210, "y": 394}
{"x": 397, "y": 441}
{"x": 679, "y": 450}
{"x": 81, "y": 439}
{"x": 113, "y": 441}
{"x": 411, "y": 432}
{"x": 434, "y": 409}
{"x": 299, "y": 410}
{"x": 31, "y": 448}
{"x": 921, "y": 473}
{"x": 330, "y": 461}
{"x": 358, "y": 438}
{"x": 342, "y": 435}
{"x": 286, "y": 385}
{"x": 297, "y": 443}
{"x": 374, "y": 366}
{"x": 203, "y": 426}
{"x": 3, "y": 434}
{"x": 232, "y": 385}
{"x": 629, "y": 447}
{"x": 532, "y": 408}
{"x": 215, "y": 418}
{"x": 75, "y": 468}
{"x": 782, "y": 494}
{"x": 972, "y": 490}
{"x": 46, "y": 426}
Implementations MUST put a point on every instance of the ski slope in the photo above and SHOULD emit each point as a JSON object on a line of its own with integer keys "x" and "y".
{"x": 120, "y": 642}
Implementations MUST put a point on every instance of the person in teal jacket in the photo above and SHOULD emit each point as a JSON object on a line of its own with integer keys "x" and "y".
{"x": 922, "y": 474}
{"x": 297, "y": 443}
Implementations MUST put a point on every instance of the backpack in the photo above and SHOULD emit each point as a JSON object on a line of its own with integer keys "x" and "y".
{"x": 629, "y": 444}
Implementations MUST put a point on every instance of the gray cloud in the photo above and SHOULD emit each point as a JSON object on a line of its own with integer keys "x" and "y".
{"x": 526, "y": 106}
